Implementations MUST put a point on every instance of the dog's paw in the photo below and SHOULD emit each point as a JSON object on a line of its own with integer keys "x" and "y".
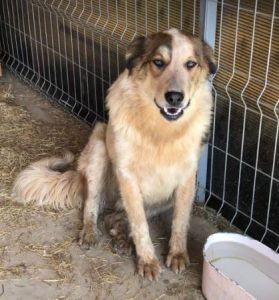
{"x": 177, "y": 261}
{"x": 89, "y": 236}
{"x": 122, "y": 246}
{"x": 150, "y": 269}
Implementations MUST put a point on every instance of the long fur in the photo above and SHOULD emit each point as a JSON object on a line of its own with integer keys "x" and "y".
{"x": 46, "y": 182}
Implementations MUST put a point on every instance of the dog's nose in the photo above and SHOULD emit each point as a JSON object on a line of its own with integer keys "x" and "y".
{"x": 174, "y": 98}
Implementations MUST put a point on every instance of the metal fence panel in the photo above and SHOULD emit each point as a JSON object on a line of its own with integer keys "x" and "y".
{"x": 73, "y": 50}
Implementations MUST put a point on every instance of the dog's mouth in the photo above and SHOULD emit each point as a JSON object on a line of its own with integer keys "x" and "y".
{"x": 171, "y": 113}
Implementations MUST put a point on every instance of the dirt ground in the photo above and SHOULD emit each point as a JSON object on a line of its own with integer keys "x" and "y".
{"x": 39, "y": 255}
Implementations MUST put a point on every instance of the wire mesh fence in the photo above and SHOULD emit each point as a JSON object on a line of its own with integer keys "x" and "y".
{"x": 73, "y": 50}
{"x": 244, "y": 156}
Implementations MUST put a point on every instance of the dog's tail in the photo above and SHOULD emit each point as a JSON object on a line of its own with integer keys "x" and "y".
{"x": 47, "y": 182}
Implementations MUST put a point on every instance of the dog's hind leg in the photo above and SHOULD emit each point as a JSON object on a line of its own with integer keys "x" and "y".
{"x": 117, "y": 226}
{"x": 93, "y": 162}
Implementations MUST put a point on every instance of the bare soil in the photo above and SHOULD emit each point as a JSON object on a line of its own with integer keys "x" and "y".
{"x": 39, "y": 255}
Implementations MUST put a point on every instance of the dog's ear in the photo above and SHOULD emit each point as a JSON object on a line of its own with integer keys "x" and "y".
{"x": 209, "y": 58}
{"x": 135, "y": 51}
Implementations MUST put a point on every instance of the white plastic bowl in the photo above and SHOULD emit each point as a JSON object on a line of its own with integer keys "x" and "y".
{"x": 240, "y": 268}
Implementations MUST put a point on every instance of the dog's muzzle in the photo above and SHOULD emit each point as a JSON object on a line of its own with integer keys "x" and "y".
{"x": 172, "y": 113}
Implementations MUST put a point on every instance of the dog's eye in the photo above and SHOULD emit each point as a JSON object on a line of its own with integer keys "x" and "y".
{"x": 190, "y": 64}
{"x": 158, "y": 63}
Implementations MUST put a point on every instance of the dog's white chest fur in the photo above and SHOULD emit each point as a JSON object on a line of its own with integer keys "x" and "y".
{"x": 159, "y": 171}
{"x": 158, "y": 183}
{"x": 156, "y": 169}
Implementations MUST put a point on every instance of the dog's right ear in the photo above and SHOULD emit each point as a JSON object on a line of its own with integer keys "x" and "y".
{"x": 135, "y": 51}
{"x": 209, "y": 57}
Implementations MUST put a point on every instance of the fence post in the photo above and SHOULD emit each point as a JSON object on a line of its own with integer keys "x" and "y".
{"x": 208, "y": 19}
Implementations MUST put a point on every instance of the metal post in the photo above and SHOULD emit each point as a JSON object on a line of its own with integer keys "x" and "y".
{"x": 208, "y": 19}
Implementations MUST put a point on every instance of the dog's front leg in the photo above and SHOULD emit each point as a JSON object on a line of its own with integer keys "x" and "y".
{"x": 178, "y": 258}
{"x": 148, "y": 264}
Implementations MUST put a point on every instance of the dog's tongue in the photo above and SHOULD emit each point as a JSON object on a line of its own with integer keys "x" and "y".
{"x": 172, "y": 110}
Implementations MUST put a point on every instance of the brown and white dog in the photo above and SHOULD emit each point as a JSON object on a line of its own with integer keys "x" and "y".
{"x": 145, "y": 159}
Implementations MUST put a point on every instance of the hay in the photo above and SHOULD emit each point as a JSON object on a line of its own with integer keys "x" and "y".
{"x": 102, "y": 269}
{"x": 7, "y": 93}
{"x": 58, "y": 257}
{"x": 24, "y": 139}
{"x": 15, "y": 271}
{"x": 215, "y": 219}
{"x": 13, "y": 215}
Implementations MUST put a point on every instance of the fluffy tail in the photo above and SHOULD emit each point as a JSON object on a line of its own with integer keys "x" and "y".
{"x": 46, "y": 182}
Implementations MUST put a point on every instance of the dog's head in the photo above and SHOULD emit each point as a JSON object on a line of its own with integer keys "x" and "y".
{"x": 170, "y": 66}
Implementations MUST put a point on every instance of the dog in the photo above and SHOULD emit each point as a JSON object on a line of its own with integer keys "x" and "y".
{"x": 144, "y": 160}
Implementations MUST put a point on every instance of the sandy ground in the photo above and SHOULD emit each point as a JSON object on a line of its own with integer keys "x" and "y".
{"x": 39, "y": 255}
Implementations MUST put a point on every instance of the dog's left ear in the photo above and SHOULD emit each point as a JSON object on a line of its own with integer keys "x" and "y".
{"x": 209, "y": 58}
{"x": 135, "y": 51}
